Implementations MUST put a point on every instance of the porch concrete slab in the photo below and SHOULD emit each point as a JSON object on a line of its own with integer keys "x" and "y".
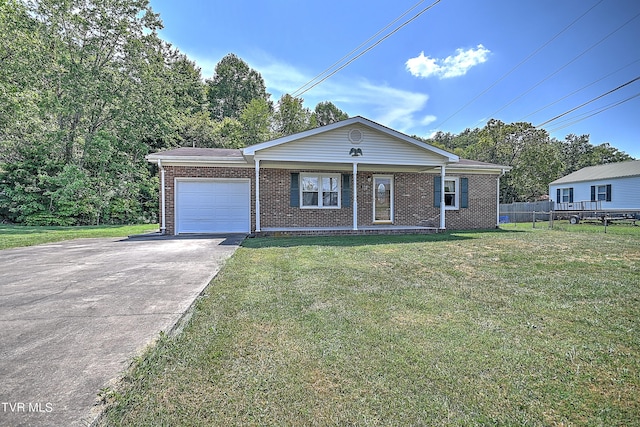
{"x": 74, "y": 314}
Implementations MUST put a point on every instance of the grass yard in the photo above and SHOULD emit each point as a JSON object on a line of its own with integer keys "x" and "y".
{"x": 13, "y": 236}
{"x": 509, "y": 327}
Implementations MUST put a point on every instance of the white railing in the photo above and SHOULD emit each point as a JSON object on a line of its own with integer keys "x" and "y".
{"x": 584, "y": 205}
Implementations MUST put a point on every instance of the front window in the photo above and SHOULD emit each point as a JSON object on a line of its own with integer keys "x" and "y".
{"x": 320, "y": 191}
{"x": 601, "y": 193}
{"x": 565, "y": 195}
{"x": 451, "y": 193}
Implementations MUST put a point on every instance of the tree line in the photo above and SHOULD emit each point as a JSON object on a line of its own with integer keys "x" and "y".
{"x": 89, "y": 88}
{"x": 536, "y": 158}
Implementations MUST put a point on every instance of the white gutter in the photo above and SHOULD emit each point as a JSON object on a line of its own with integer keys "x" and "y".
{"x": 163, "y": 227}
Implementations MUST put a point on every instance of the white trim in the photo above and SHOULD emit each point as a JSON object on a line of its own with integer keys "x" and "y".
{"x": 196, "y": 179}
{"x": 163, "y": 224}
{"x": 257, "y": 197}
{"x": 443, "y": 209}
{"x": 251, "y": 150}
{"x": 498, "y": 198}
{"x": 456, "y": 206}
{"x": 190, "y": 160}
{"x": 320, "y": 176}
{"x": 354, "y": 190}
{"x": 391, "y": 199}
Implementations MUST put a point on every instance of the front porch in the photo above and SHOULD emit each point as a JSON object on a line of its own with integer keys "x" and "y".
{"x": 386, "y": 229}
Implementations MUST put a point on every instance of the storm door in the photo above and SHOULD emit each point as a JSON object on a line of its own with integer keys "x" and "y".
{"x": 383, "y": 199}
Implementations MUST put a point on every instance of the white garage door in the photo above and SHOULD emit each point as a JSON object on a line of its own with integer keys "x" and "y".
{"x": 213, "y": 206}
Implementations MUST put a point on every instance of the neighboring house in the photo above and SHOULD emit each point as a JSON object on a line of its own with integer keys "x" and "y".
{"x": 612, "y": 186}
{"x": 351, "y": 177}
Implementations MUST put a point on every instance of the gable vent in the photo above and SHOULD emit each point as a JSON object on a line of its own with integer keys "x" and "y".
{"x": 356, "y": 136}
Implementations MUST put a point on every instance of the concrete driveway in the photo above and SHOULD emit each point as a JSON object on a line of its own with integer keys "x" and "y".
{"x": 73, "y": 314}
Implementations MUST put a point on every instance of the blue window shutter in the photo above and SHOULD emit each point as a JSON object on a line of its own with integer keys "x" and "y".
{"x": 464, "y": 192}
{"x": 593, "y": 193}
{"x": 571, "y": 195}
{"x": 294, "y": 201}
{"x": 558, "y": 199}
{"x": 346, "y": 190}
{"x": 437, "y": 191}
{"x": 608, "y": 192}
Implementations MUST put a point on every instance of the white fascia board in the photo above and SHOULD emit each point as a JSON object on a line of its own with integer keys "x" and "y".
{"x": 172, "y": 160}
{"x": 477, "y": 169}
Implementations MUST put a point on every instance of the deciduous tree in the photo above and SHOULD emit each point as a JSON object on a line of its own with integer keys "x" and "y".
{"x": 233, "y": 86}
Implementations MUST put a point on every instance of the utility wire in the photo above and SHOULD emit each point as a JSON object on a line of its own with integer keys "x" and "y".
{"x": 601, "y": 110}
{"x": 531, "y": 55}
{"x": 571, "y": 120}
{"x": 405, "y": 23}
{"x": 564, "y": 66}
{"x": 589, "y": 102}
{"x": 578, "y": 90}
{"x": 295, "y": 93}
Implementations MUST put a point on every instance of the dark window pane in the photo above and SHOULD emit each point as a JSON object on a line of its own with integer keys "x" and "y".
{"x": 449, "y": 200}
{"x": 330, "y": 199}
{"x": 309, "y": 199}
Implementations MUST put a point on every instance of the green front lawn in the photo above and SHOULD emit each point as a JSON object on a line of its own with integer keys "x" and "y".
{"x": 12, "y": 236}
{"x": 508, "y": 327}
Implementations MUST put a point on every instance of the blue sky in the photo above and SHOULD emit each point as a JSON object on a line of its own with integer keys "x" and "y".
{"x": 455, "y": 66}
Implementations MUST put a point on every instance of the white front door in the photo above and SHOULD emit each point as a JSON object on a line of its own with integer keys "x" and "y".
{"x": 383, "y": 199}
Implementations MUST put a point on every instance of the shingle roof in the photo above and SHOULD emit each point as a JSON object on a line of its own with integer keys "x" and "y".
{"x": 607, "y": 171}
{"x": 467, "y": 162}
{"x": 201, "y": 152}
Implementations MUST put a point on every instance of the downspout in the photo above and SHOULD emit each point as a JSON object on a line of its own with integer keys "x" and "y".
{"x": 498, "y": 198}
{"x": 163, "y": 228}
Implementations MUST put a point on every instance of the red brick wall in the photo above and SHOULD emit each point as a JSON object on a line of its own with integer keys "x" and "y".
{"x": 173, "y": 172}
{"x": 275, "y": 209}
{"x": 482, "y": 211}
{"x": 413, "y": 199}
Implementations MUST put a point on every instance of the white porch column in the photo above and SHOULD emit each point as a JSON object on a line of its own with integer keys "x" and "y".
{"x": 355, "y": 195}
{"x": 257, "y": 195}
{"x": 498, "y": 201}
{"x": 442, "y": 207}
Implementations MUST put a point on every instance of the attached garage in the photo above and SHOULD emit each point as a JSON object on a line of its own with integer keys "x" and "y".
{"x": 213, "y": 206}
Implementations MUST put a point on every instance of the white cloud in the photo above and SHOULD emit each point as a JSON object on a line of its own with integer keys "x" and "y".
{"x": 427, "y": 120}
{"x": 451, "y": 66}
{"x": 396, "y": 108}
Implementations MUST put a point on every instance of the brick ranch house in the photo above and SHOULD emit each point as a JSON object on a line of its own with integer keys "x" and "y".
{"x": 351, "y": 177}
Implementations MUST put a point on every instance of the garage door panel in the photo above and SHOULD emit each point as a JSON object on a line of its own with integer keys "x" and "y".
{"x": 213, "y": 206}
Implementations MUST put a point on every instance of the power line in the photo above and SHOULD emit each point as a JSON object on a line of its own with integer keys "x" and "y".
{"x": 575, "y": 119}
{"x": 564, "y": 66}
{"x": 531, "y": 55}
{"x": 578, "y": 90}
{"x": 299, "y": 93}
{"x": 595, "y": 112}
{"x": 295, "y": 93}
{"x": 589, "y": 102}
